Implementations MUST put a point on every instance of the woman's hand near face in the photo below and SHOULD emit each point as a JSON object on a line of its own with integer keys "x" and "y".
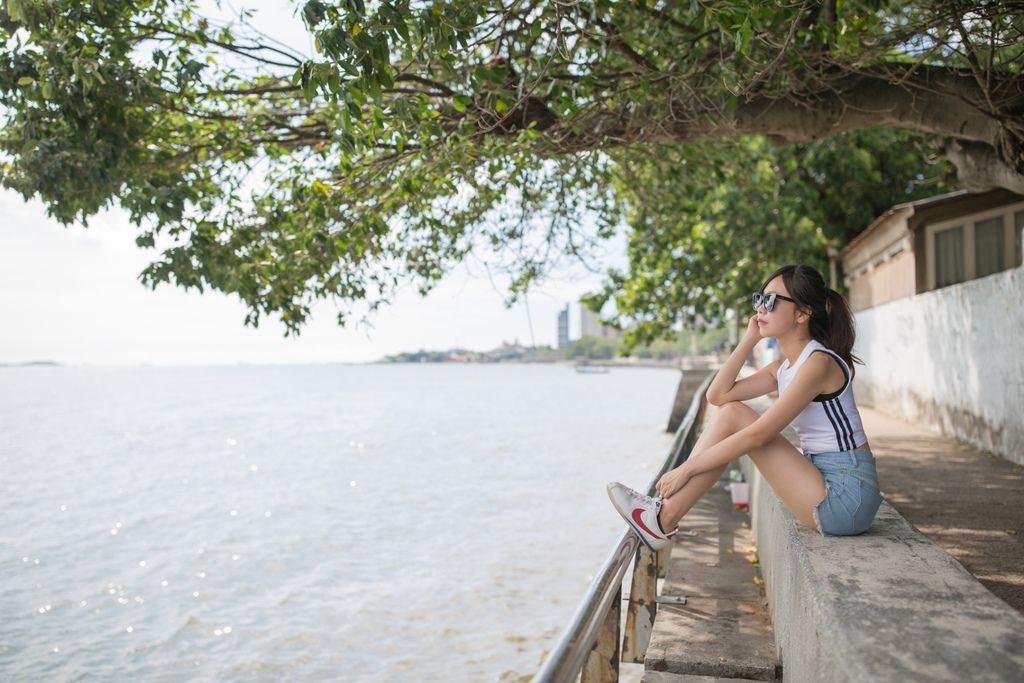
{"x": 753, "y": 331}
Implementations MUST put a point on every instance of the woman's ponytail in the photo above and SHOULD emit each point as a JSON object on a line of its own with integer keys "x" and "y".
{"x": 840, "y": 330}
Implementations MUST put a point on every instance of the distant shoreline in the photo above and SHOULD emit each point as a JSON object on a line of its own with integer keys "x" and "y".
{"x": 682, "y": 363}
{"x": 34, "y": 363}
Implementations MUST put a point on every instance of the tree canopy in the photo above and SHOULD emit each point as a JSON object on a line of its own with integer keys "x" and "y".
{"x": 709, "y": 224}
{"x": 423, "y": 131}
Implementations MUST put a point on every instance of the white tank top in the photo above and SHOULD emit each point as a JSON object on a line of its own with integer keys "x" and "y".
{"x": 830, "y": 422}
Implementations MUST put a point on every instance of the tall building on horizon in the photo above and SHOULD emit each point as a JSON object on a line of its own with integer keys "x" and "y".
{"x": 589, "y": 324}
{"x": 563, "y": 327}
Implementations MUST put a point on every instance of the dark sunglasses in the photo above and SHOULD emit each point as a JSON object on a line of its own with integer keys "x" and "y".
{"x": 760, "y": 299}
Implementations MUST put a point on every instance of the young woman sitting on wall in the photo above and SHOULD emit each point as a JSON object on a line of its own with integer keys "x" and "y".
{"x": 829, "y": 484}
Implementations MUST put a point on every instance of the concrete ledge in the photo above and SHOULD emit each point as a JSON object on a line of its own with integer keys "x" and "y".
{"x": 665, "y": 677}
{"x": 888, "y": 605}
{"x": 722, "y": 630}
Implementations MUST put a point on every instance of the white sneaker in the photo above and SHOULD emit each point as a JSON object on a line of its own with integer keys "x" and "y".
{"x": 641, "y": 513}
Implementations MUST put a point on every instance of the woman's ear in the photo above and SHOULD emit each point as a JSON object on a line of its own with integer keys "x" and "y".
{"x": 803, "y": 315}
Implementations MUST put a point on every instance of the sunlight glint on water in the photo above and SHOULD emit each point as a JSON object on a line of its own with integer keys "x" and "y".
{"x": 313, "y": 523}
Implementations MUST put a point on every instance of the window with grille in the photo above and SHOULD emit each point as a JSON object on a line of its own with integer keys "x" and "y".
{"x": 989, "y": 246}
{"x": 949, "y": 256}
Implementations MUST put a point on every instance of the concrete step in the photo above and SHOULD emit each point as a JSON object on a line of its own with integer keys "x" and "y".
{"x": 666, "y": 677}
{"x": 723, "y": 631}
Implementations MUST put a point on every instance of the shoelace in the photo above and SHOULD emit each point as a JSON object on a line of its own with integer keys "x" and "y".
{"x": 649, "y": 500}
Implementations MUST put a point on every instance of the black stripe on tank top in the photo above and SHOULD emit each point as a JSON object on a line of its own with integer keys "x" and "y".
{"x": 840, "y": 416}
{"x": 849, "y": 427}
{"x": 835, "y": 426}
{"x": 847, "y": 434}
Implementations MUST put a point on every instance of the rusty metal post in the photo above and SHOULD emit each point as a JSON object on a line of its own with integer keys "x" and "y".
{"x": 663, "y": 561}
{"x": 602, "y": 664}
{"x": 643, "y": 605}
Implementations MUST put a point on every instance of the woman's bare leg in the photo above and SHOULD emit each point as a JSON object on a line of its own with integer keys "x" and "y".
{"x": 679, "y": 503}
{"x": 796, "y": 481}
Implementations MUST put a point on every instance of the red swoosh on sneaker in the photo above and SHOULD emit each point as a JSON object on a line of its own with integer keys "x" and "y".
{"x": 636, "y": 518}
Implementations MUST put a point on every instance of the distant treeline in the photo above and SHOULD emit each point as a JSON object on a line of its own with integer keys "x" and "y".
{"x": 685, "y": 343}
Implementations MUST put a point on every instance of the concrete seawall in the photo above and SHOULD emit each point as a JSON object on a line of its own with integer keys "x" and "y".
{"x": 886, "y": 606}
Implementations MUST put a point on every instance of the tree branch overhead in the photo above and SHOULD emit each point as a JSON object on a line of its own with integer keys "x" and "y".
{"x": 403, "y": 145}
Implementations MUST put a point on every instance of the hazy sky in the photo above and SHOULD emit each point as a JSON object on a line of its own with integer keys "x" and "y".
{"x": 71, "y": 294}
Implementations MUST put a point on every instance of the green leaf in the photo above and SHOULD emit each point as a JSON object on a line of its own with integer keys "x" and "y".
{"x": 743, "y": 38}
{"x": 16, "y": 10}
{"x": 26, "y": 80}
{"x": 402, "y": 28}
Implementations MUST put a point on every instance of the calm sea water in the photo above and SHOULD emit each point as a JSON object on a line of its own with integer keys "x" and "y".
{"x": 312, "y": 523}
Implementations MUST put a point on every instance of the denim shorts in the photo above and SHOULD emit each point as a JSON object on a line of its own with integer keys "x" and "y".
{"x": 851, "y": 492}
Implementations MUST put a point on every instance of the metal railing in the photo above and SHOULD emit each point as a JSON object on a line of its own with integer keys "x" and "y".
{"x": 589, "y": 647}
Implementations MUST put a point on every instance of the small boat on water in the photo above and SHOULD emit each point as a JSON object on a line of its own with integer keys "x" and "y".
{"x": 586, "y": 367}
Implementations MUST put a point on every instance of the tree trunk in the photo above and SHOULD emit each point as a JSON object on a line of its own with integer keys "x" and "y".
{"x": 986, "y": 153}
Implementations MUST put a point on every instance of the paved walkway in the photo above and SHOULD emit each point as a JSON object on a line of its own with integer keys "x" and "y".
{"x": 722, "y": 628}
{"x": 969, "y": 502}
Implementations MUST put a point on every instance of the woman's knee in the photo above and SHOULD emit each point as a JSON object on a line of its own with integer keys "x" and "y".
{"x": 735, "y": 414}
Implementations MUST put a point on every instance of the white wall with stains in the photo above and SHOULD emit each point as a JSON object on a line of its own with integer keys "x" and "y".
{"x": 951, "y": 359}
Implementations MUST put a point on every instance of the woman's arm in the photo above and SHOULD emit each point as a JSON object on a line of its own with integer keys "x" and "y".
{"x": 807, "y": 384}
{"x": 725, "y": 388}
